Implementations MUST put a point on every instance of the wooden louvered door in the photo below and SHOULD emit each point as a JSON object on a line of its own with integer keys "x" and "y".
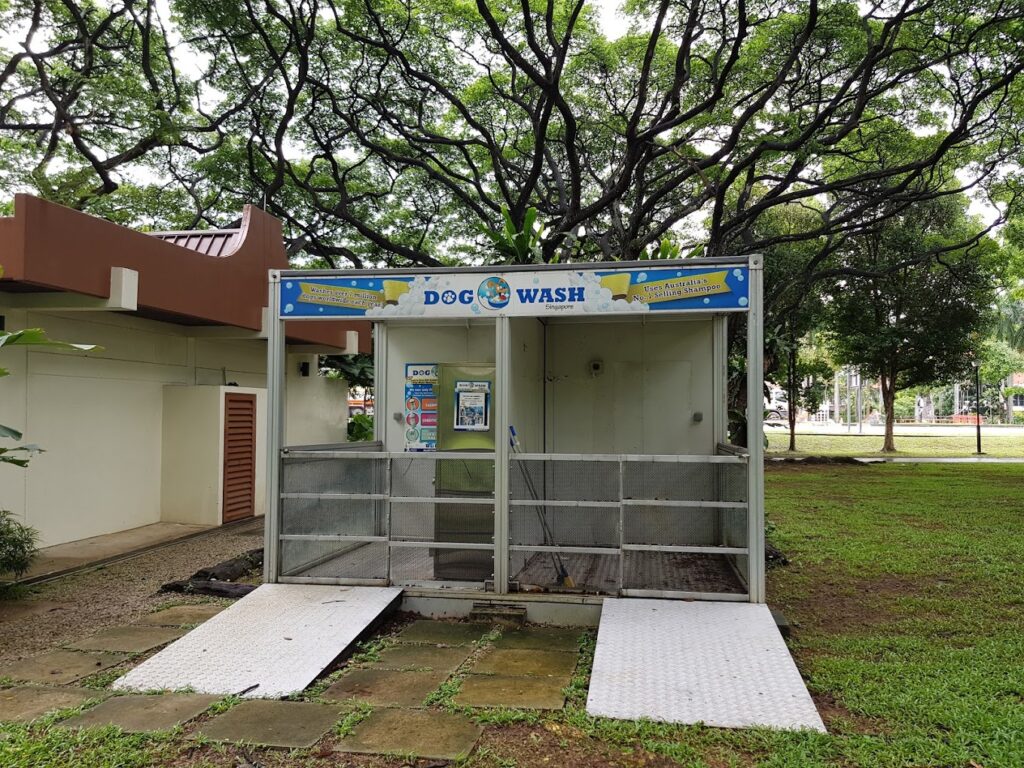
{"x": 239, "y": 457}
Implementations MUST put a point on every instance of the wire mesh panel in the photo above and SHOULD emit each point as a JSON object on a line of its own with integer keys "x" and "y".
{"x": 416, "y": 565}
{"x": 663, "y": 480}
{"x": 672, "y": 526}
{"x": 680, "y": 572}
{"x": 732, "y": 481}
{"x": 421, "y": 477}
{"x": 592, "y": 518}
{"x": 333, "y": 475}
{"x": 462, "y": 514}
{"x": 322, "y": 559}
{"x": 559, "y": 479}
{"x": 445, "y": 521}
{"x": 331, "y": 516}
{"x": 598, "y": 524}
{"x": 564, "y": 526}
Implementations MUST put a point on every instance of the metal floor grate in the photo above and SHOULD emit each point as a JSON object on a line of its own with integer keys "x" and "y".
{"x": 721, "y": 664}
{"x": 668, "y": 571}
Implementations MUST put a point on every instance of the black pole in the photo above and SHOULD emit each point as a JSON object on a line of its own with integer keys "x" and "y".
{"x": 977, "y": 404}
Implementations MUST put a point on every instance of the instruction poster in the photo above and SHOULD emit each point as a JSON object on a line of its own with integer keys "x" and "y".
{"x": 472, "y": 406}
{"x": 421, "y": 407}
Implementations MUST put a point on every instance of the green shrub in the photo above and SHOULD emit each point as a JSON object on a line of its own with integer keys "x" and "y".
{"x": 17, "y": 544}
{"x": 360, "y": 428}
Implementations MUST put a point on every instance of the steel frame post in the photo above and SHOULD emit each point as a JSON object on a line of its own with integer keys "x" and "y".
{"x": 502, "y": 359}
{"x": 755, "y": 433}
{"x": 275, "y": 429}
{"x": 380, "y": 382}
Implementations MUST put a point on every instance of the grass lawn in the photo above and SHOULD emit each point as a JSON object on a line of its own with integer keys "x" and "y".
{"x": 996, "y": 445}
{"x": 905, "y": 586}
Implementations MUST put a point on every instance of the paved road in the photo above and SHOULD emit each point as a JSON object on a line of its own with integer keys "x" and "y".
{"x": 906, "y": 430}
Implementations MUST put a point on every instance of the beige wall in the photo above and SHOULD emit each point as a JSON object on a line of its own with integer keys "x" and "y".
{"x": 316, "y": 411}
{"x": 656, "y": 377}
{"x": 192, "y": 483}
{"x": 192, "y": 454}
{"x": 526, "y": 379}
{"x": 13, "y": 407}
{"x": 463, "y": 343}
{"x": 100, "y": 418}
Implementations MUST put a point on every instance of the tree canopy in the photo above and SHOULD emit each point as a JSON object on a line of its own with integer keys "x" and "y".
{"x": 906, "y": 322}
{"x": 397, "y": 131}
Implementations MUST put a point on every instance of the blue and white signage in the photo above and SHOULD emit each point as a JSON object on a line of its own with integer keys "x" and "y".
{"x": 539, "y": 293}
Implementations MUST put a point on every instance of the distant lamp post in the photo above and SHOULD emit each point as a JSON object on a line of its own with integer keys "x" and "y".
{"x": 976, "y": 364}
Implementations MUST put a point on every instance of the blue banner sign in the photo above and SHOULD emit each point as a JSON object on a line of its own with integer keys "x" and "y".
{"x": 533, "y": 294}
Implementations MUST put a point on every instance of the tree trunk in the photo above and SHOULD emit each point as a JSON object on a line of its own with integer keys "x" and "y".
{"x": 888, "y": 404}
{"x": 791, "y": 410}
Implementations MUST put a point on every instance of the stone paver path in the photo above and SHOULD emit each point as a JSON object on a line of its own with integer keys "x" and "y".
{"x": 385, "y": 687}
{"x": 141, "y": 714}
{"x": 288, "y": 724}
{"x": 427, "y": 734}
{"x": 541, "y": 639}
{"x": 442, "y": 633}
{"x": 419, "y": 657}
{"x": 129, "y": 639}
{"x": 508, "y": 691}
{"x": 181, "y": 615}
{"x": 526, "y": 662}
{"x": 25, "y": 703}
{"x": 527, "y": 668}
{"x": 61, "y": 667}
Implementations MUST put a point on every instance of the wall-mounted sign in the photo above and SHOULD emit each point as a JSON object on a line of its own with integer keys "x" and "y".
{"x": 472, "y": 406}
{"x": 530, "y": 293}
{"x": 421, "y": 407}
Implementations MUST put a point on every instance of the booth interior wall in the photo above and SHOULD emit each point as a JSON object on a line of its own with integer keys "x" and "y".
{"x": 630, "y": 387}
{"x": 467, "y": 342}
{"x": 526, "y": 382}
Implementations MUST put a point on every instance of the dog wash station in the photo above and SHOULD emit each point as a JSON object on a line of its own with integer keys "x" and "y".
{"x": 549, "y": 438}
{"x": 546, "y": 435}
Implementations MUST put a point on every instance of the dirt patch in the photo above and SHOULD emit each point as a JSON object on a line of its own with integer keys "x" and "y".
{"x": 849, "y": 606}
{"x": 557, "y": 744}
{"x": 321, "y": 755}
{"x": 839, "y": 720}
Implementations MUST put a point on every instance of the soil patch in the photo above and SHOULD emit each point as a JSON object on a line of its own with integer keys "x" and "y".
{"x": 837, "y": 606}
{"x": 838, "y": 719}
{"x": 561, "y": 745}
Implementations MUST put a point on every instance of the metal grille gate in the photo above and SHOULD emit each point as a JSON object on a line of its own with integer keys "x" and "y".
{"x": 601, "y": 524}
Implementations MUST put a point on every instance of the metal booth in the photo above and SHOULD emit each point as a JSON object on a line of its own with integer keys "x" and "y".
{"x": 545, "y": 435}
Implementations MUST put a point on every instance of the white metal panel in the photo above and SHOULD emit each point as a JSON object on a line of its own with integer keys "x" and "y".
{"x": 721, "y": 664}
{"x": 269, "y": 644}
{"x": 651, "y": 380}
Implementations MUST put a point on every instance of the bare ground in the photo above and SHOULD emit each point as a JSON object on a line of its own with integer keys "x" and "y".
{"x": 75, "y": 606}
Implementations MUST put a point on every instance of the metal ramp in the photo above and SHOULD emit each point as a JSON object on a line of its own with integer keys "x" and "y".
{"x": 721, "y": 664}
{"x": 269, "y": 644}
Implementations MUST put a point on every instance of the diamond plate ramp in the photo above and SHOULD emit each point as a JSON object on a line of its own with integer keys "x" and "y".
{"x": 271, "y": 643}
{"x": 721, "y": 664}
